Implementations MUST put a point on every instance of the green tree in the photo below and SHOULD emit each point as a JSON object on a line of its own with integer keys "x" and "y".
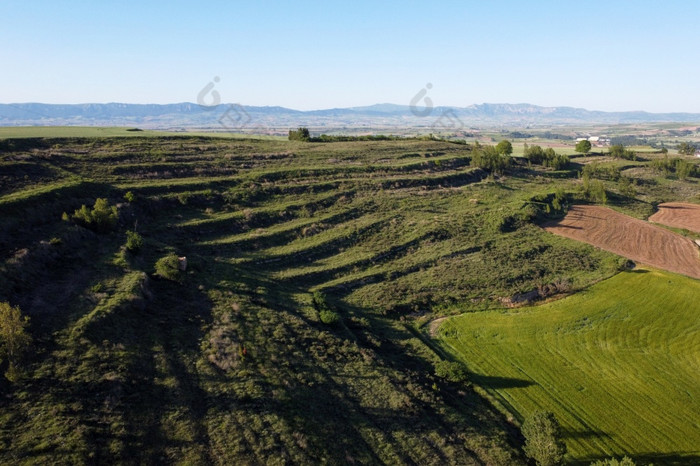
{"x": 134, "y": 241}
{"x": 101, "y": 218}
{"x": 504, "y": 147}
{"x": 488, "y": 158}
{"x": 452, "y": 371}
{"x": 627, "y": 187}
{"x": 686, "y": 148}
{"x": 168, "y": 267}
{"x": 535, "y": 154}
{"x": 14, "y": 339}
{"x": 543, "y": 442}
{"x": 583, "y": 147}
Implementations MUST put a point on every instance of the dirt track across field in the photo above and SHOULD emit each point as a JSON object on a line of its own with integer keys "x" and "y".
{"x": 628, "y": 237}
{"x": 678, "y": 215}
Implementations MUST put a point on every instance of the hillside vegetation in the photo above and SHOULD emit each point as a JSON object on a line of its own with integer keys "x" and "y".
{"x": 291, "y": 335}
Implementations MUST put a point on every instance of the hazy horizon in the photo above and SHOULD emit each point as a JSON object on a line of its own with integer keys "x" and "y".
{"x": 606, "y": 56}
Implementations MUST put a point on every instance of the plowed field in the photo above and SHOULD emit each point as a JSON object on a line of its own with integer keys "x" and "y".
{"x": 678, "y": 215}
{"x": 635, "y": 239}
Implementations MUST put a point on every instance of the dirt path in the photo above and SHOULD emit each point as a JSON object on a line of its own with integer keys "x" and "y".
{"x": 678, "y": 215}
{"x": 628, "y": 237}
{"x": 433, "y": 326}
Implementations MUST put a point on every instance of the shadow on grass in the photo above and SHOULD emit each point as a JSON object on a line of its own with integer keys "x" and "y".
{"x": 498, "y": 383}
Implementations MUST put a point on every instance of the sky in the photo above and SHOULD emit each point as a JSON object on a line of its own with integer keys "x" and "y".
{"x": 599, "y": 55}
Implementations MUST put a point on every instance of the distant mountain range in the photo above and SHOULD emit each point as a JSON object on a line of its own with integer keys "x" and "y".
{"x": 231, "y": 117}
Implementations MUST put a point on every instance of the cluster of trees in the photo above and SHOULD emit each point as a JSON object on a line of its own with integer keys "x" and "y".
{"x": 545, "y": 157}
{"x": 682, "y": 168}
{"x": 327, "y": 315}
{"x": 687, "y": 148}
{"x": 101, "y": 218}
{"x": 618, "y": 151}
{"x": 492, "y": 159}
{"x": 299, "y": 134}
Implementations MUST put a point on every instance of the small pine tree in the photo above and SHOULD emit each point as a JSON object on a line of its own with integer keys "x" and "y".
{"x": 14, "y": 339}
{"x": 134, "y": 241}
{"x": 168, "y": 267}
{"x": 543, "y": 441}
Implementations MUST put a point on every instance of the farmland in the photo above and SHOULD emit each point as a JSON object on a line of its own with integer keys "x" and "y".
{"x": 678, "y": 215}
{"x": 618, "y": 364}
{"x": 632, "y": 238}
{"x": 293, "y": 334}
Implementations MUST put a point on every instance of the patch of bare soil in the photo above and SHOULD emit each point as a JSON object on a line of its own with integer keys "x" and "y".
{"x": 678, "y": 215}
{"x": 629, "y": 237}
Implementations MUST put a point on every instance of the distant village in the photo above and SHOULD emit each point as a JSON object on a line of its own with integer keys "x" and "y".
{"x": 597, "y": 141}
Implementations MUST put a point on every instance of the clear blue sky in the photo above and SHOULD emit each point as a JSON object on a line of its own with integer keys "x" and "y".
{"x": 614, "y": 55}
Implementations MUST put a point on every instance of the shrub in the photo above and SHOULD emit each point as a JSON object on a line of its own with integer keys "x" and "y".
{"x": 618, "y": 151}
{"x": 452, "y": 371}
{"x": 129, "y": 197}
{"x": 626, "y": 461}
{"x": 14, "y": 339}
{"x": 101, "y": 218}
{"x": 328, "y": 316}
{"x": 134, "y": 241}
{"x": 167, "y": 267}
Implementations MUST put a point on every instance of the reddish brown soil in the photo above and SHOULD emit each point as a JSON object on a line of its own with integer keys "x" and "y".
{"x": 678, "y": 215}
{"x": 628, "y": 237}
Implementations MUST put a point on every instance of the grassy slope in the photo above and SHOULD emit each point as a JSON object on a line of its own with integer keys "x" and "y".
{"x": 618, "y": 364}
{"x": 129, "y": 367}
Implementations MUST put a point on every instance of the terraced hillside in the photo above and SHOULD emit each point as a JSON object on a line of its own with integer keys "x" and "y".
{"x": 231, "y": 363}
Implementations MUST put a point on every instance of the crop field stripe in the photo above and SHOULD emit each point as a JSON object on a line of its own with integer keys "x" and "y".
{"x": 594, "y": 351}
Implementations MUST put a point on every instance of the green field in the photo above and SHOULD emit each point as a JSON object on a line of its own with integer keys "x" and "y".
{"x": 618, "y": 364}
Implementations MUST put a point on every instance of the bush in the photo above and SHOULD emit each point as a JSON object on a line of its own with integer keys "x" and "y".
{"x": 101, "y": 218}
{"x": 328, "y": 317}
{"x": 14, "y": 339}
{"x": 452, "y": 371}
{"x": 626, "y": 461}
{"x": 167, "y": 267}
{"x": 134, "y": 241}
{"x": 618, "y": 151}
{"x": 129, "y": 197}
